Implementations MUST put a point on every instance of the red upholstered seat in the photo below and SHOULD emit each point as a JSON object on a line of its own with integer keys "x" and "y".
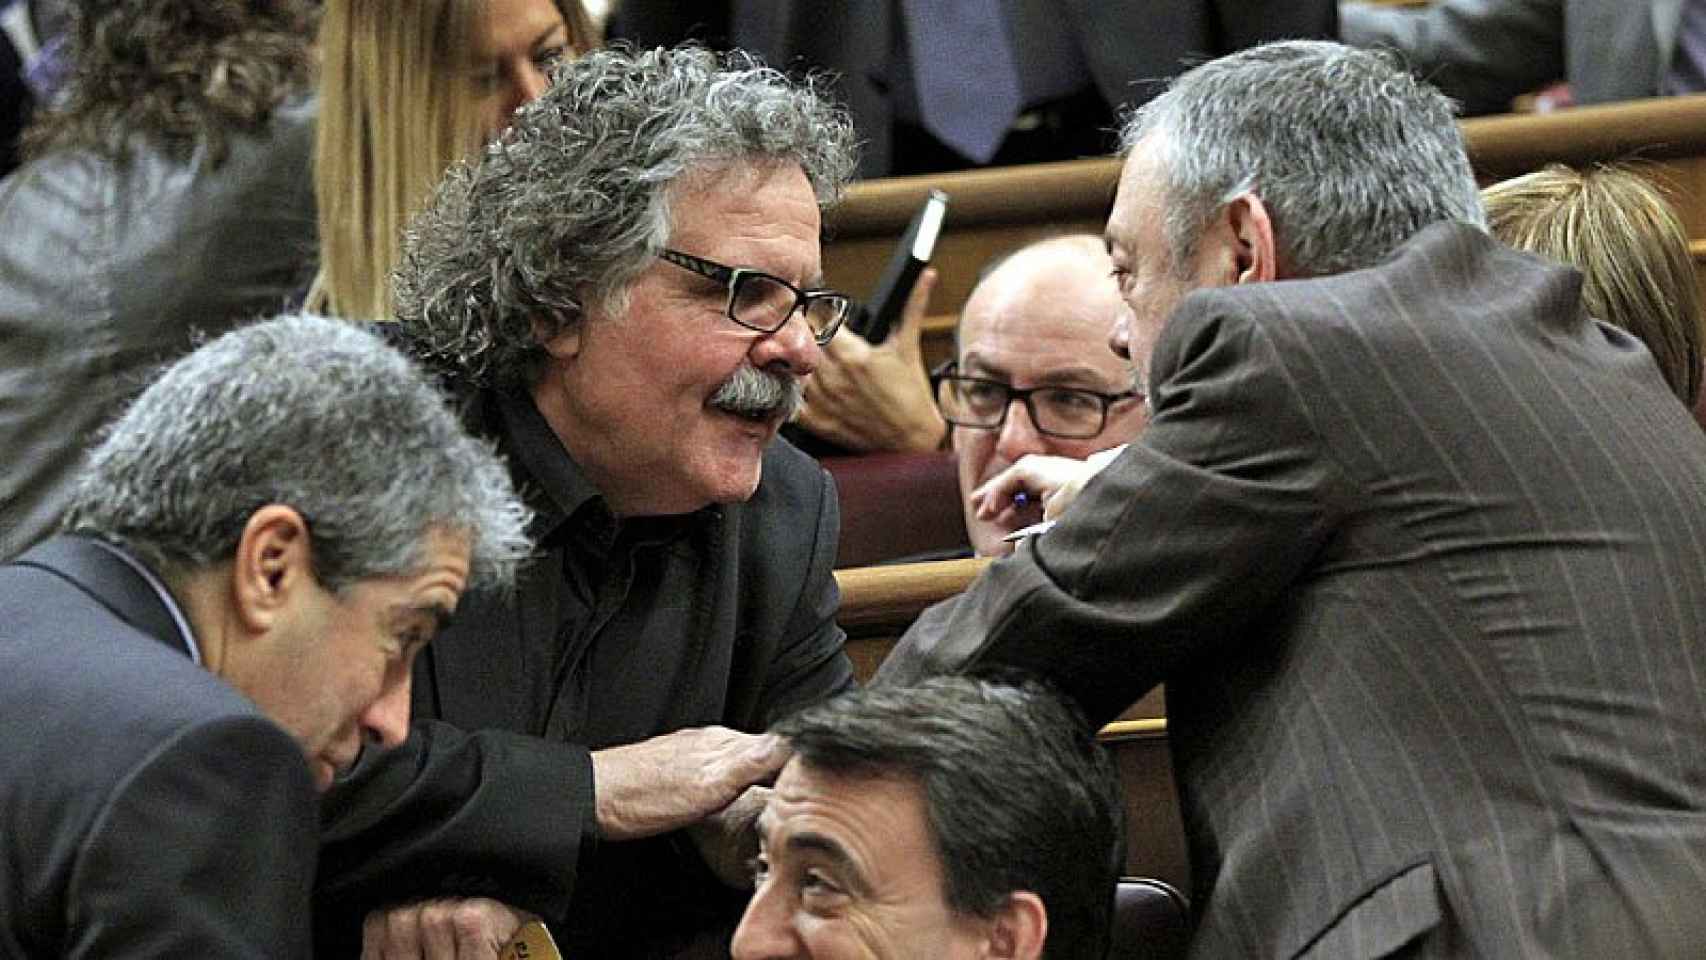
{"x": 898, "y": 506}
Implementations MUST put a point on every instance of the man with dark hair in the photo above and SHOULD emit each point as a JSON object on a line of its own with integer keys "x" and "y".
{"x": 1413, "y": 542}
{"x": 261, "y": 545}
{"x": 627, "y": 289}
{"x": 165, "y": 194}
{"x": 955, "y": 818}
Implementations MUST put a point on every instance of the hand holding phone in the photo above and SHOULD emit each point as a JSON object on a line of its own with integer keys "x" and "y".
{"x": 887, "y": 302}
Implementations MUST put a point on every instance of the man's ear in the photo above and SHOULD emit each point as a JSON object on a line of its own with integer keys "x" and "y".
{"x": 1019, "y": 928}
{"x": 1255, "y": 256}
{"x": 560, "y": 333}
{"x": 274, "y": 559}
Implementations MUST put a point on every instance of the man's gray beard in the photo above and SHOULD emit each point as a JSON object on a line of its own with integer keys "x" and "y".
{"x": 752, "y": 392}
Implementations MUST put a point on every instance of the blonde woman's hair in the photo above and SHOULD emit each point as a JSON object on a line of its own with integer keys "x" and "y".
{"x": 1618, "y": 229}
{"x": 397, "y": 108}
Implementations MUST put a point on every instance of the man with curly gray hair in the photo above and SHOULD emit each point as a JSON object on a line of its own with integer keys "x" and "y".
{"x": 627, "y": 289}
{"x": 261, "y": 546}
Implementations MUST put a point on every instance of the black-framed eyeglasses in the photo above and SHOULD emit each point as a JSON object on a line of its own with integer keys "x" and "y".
{"x": 1071, "y": 413}
{"x": 759, "y": 301}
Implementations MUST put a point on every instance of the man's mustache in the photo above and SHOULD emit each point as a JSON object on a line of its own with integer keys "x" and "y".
{"x": 751, "y": 392}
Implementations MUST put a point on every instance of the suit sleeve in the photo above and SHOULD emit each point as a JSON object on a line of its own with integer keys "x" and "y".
{"x": 811, "y": 661}
{"x": 1480, "y": 52}
{"x": 475, "y": 800}
{"x": 205, "y": 850}
{"x": 1167, "y": 554}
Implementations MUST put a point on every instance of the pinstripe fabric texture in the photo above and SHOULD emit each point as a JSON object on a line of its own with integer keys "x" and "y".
{"x": 1420, "y": 552}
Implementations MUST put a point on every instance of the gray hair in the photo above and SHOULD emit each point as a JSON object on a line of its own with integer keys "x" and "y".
{"x": 1350, "y": 153}
{"x": 1018, "y": 795}
{"x": 572, "y": 202}
{"x": 314, "y": 414}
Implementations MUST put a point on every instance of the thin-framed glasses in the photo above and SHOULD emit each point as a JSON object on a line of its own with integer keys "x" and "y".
{"x": 1071, "y": 413}
{"x": 759, "y": 301}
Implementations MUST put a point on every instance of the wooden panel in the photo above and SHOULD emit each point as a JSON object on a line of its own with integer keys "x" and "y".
{"x": 1663, "y": 128}
{"x": 1155, "y": 831}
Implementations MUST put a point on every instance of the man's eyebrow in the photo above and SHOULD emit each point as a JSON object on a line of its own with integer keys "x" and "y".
{"x": 440, "y": 613}
{"x": 978, "y": 366}
{"x": 830, "y": 849}
{"x": 1081, "y": 376}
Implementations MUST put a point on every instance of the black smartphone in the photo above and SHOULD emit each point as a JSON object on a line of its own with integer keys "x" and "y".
{"x": 883, "y": 309}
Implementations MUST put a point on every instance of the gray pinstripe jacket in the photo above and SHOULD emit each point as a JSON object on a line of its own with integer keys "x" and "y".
{"x": 1420, "y": 552}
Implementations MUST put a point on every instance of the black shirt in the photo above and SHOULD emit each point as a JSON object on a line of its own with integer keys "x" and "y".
{"x": 620, "y": 630}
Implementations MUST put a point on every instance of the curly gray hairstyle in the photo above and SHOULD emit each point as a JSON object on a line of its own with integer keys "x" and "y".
{"x": 315, "y": 414}
{"x": 1350, "y": 153}
{"x": 569, "y": 206}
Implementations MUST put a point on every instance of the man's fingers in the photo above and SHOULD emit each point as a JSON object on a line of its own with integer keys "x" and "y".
{"x": 445, "y": 929}
{"x": 437, "y": 937}
{"x": 917, "y": 307}
{"x": 767, "y": 754}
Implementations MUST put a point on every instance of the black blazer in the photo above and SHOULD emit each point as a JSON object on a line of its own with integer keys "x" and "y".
{"x": 147, "y": 809}
{"x": 1420, "y": 553}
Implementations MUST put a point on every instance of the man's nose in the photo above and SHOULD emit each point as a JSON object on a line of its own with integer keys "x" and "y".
{"x": 1019, "y": 435}
{"x": 764, "y": 933}
{"x": 793, "y": 345}
{"x": 1119, "y": 338}
{"x": 386, "y": 720}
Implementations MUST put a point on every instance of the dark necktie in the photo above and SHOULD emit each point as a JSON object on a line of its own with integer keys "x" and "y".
{"x": 962, "y": 65}
{"x": 1688, "y": 60}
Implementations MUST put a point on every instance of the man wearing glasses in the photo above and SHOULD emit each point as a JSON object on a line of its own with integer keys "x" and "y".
{"x": 1033, "y": 375}
{"x": 626, "y": 288}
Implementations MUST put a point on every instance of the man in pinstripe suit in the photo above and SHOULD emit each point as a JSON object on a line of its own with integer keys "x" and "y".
{"x": 1418, "y": 548}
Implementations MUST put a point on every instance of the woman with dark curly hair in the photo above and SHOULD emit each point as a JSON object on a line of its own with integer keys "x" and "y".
{"x": 167, "y": 195}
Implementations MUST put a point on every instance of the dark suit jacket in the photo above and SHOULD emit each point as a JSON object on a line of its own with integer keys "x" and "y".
{"x": 1420, "y": 553}
{"x": 146, "y": 808}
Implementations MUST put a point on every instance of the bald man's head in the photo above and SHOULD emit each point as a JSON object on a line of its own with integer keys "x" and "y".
{"x": 1040, "y": 319}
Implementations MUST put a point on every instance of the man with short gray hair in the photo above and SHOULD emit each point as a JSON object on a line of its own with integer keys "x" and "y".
{"x": 626, "y": 288}
{"x": 261, "y": 546}
{"x": 1411, "y": 540}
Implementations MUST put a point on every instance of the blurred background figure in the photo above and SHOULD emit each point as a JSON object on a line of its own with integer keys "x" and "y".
{"x": 33, "y": 65}
{"x": 1618, "y": 229}
{"x": 946, "y": 84}
{"x": 166, "y": 193}
{"x": 1484, "y": 53}
{"x": 409, "y": 89}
